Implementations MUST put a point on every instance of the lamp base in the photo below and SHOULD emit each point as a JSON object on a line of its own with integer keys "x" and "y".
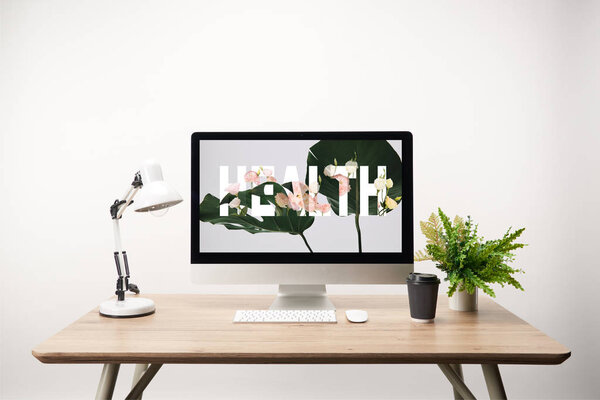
{"x": 131, "y": 307}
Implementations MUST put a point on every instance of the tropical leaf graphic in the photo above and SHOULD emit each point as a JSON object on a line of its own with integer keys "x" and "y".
{"x": 372, "y": 153}
{"x": 285, "y": 220}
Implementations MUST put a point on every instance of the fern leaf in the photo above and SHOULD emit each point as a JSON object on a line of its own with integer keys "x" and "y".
{"x": 421, "y": 256}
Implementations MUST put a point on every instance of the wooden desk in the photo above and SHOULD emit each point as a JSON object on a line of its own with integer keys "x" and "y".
{"x": 196, "y": 329}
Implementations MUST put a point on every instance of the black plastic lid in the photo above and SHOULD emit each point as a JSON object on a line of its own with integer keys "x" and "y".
{"x": 417, "y": 277}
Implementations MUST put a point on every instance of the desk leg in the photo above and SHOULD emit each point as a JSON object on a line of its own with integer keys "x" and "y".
{"x": 108, "y": 379}
{"x": 142, "y": 383}
{"x": 137, "y": 374}
{"x": 493, "y": 381}
{"x": 457, "y": 383}
{"x": 458, "y": 369}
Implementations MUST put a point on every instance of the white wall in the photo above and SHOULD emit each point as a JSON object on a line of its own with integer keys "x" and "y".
{"x": 501, "y": 96}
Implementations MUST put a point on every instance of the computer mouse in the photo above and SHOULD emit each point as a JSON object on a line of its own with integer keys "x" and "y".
{"x": 357, "y": 316}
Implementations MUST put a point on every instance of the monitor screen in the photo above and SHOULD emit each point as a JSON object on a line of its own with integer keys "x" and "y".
{"x": 302, "y": 197}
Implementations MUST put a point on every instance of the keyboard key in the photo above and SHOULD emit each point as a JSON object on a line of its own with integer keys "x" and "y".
{"x": 285, "y": 316}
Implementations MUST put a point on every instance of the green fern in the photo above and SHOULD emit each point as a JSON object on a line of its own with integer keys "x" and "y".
{"x": 468, "y": 261}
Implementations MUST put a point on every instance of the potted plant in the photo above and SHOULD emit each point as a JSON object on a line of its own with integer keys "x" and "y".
{"x": 469, "y": 261}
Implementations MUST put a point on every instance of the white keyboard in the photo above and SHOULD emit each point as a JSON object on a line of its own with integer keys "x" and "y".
{"x": 285, "y": 316}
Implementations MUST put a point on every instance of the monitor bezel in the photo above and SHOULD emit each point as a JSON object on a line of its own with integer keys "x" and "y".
{"x": 404, "y": 257}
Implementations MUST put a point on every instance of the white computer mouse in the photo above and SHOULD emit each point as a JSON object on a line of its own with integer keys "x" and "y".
{"x": 357, "y": 316}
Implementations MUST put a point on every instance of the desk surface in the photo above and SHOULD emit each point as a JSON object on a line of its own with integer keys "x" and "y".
{"x": 198, "y": 329}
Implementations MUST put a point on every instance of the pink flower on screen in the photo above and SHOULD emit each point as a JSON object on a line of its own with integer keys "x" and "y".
{"x": 295, "y": 202}
{"x": 324, "y": 208}
{"x": 271, "y": 179}
{"x": 251, "y": 176}
{"x": 344, "y": 183}
{"x": 233, "y": 189}
{"x": 305, "y": 198}
{"x": 299, "y": 198}
{"x": 312, "y": 203}
{"x": 281, "y": 200}
{"x": 299, "y": 187}
{"x": 267, "y": 172}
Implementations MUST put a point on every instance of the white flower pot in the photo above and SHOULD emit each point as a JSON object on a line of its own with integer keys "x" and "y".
{"x": 463, "y": 301}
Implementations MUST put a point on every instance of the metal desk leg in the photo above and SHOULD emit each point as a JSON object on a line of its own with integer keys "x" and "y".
{"x": 137, "y": 374}
{"x": 108, "y": 379}
{"x": 456, "y": 382}
{"x": 458, "y": 369}
{"x": 493, "y": 381}
{"x": 142, "y": 383}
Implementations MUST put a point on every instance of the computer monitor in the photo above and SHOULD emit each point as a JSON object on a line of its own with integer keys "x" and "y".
{"x": 301, "y": 209}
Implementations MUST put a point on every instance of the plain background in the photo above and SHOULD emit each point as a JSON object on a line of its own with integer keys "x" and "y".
{"x": 327, "y": 233}
{"x": 502, "y": 98}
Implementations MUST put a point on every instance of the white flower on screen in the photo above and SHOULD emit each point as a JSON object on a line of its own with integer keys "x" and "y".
{"x": 351, "y": 167}
{"x": 389, "y": 183}
{"x": 314, "y": 187}
{"x": 390, "y": 203}
{"x": 235, "y": 203}
{"x": 329, "y": 170}
{"x": 379, "y": 184}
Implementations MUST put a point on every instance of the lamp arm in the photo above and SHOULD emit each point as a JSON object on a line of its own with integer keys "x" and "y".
{"x": 119, "y": 206}
{"x": 116, "y": 211}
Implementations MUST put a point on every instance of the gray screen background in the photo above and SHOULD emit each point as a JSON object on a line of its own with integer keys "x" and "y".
{"x": 327, "y": 234}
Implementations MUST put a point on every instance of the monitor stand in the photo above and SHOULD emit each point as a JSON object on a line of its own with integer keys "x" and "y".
{"x": 302, "y": 297}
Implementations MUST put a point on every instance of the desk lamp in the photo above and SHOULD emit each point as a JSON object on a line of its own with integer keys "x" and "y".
{"x": 155, "y": 195}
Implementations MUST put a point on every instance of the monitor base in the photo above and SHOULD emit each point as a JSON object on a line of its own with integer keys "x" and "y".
{"x": 302, "y": 297}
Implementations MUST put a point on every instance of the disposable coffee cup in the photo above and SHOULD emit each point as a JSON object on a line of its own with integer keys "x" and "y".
{"x": 422, "y": 296}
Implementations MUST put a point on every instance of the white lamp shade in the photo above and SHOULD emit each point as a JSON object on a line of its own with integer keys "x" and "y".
{"x": 155, "y": 194}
